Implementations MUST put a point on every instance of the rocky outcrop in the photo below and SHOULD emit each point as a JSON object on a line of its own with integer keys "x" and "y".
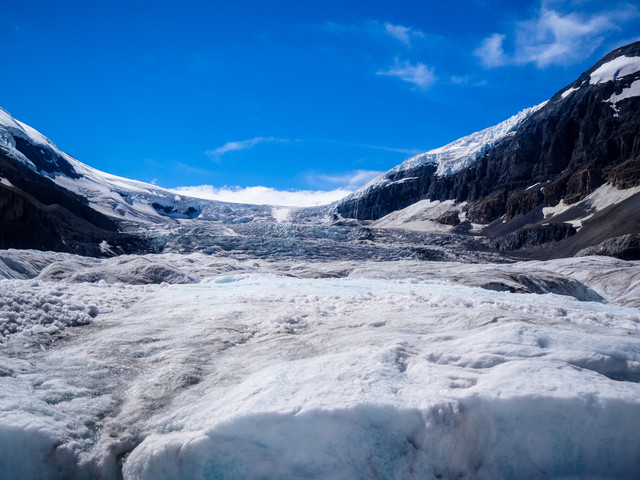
{"x": 403, "y": 190}
{"x": 625, "y": 247}
{"x": 173, "y": 212}
{"x": 35, "y": 213}
{"x": 449, "y": 218}
{"x": 534, "y": 235}
{"x": 45, "y": 158}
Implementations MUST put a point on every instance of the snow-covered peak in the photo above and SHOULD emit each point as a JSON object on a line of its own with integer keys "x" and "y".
{"x": 108, "y": 194}
{"x": 458, "y": 154}
{"x": 51, "y": 159}
{"x": 114, "y": 196}
{"x": 617, "y": 68}
{"x": 22, "y": 130}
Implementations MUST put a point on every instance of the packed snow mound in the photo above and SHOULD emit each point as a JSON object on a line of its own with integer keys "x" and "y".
{"x": 321, "y": 370}
{"x": 596, "y": 279}
{"x": 450, "y": 440}
{"x": 616, "y": 280}
{"x": 56, "y": 309}
{"x": 133, "y": 270}
{"x": 27, "y": 264}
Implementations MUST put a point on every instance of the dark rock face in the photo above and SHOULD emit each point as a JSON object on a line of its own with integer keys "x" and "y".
{"x": 44, "y": 158}
{"x": 405, "y": 189}
{"x": 625, "y": 247}
{"x": 571, "y": 146}
{"x": 534, "y": 236}
{"x": 36, "y": 213}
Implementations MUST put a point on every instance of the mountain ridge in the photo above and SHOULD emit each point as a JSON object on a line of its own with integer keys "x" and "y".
{"x": 585, "y": 136}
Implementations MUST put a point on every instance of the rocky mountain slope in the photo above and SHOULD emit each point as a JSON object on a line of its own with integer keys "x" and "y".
{"x": 36, "y": 213}
{"x": 51, "y": 201}
{"x": 585, "y": 137}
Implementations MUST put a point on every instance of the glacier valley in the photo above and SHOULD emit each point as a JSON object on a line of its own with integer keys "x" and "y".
{"x": 461, "y": 316}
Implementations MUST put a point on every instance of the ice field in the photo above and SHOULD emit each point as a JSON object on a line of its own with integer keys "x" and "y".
{"x": 202, "y": 366}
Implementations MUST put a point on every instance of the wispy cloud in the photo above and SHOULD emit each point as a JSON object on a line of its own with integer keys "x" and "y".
{"x": 490, "y": 52}
{"x": 402, "y": 33}
{"x": 553, "y": 37}
{"x": 460, "y": 79}
{"x": 265, "y": 195}
{"x": 419, "y": 74}
{"x": 217, "y": 153}
{"x": 377, "y": 29}
{"x": 406, "y": 151}
{"x": 186, "y": 168}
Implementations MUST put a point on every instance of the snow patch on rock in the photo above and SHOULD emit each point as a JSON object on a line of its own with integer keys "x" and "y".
{"x": 613, "y": 70}
{"x": 631, "y": 91}
{"x": 568, "y": 92}
{"x": 603, "y": 197}
{"x": 420, "y": 216}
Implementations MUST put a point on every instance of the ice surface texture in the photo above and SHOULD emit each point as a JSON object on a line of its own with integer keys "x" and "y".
{"x": 258, "y": 369}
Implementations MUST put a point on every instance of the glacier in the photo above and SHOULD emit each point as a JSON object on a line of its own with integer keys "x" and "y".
{"x": 203, "y": 366}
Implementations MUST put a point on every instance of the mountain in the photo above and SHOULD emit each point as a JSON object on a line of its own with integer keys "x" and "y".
{"x": 119, "y": 198}
{"x": 51, "y": 201}
{"x": 564, "y": 174}
{"x": 558, "y": 179}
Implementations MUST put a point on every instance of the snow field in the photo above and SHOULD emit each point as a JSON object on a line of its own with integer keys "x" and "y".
{"x": 391, "y": 372}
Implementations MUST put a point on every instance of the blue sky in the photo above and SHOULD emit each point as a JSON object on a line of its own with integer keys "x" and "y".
{"x": 293, "y": 96}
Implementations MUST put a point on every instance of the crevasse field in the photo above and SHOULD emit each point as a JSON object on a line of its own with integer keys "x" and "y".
{"x": 203, "y": 366}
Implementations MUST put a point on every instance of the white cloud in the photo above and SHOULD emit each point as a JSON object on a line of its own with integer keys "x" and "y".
{"x": 264, "y": 195}
{"x": 346, "y": 183}
{"x": 554, "y": 38}
{"x": 399, "y": 32}
{"x": 402, "y": 33}
{"x": 490, "y": 52}
{"x": 352, "y": 180}
{"x": 419, "y": 74}
{"x": 240, "y": 145}
{"x": 376, "y": 29}
{"x": 460, "y": 79}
